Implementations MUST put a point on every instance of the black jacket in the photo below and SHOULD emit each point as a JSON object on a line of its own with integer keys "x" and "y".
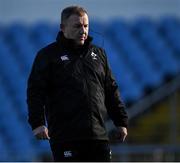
{"x": 74, "y": 88}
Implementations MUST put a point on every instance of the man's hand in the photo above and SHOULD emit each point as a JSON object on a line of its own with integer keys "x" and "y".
{"x": 122, "y": 133}
{"x": 41, "y": 132}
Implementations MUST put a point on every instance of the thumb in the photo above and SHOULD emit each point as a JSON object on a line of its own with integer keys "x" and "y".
{"x": 46, "y": 133}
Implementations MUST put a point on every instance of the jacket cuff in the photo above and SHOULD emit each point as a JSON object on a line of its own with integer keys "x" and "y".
{"x": 122, "y": 124}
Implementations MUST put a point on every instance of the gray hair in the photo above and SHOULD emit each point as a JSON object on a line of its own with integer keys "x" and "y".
{"x": 72, "y": 10}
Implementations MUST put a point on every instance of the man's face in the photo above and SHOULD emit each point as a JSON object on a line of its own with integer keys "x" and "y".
{"x": 76, "y": 28}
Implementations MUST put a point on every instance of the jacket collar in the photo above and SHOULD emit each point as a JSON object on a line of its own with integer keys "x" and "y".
{"x": 69, "y": 44}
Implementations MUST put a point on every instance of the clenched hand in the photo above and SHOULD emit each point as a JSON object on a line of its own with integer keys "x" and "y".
{"x": 41, "y": 132}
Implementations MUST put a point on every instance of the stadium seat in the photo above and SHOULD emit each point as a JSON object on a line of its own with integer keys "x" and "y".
{"x": 42, "y": 34}
{"x": 161, "y": 55}
{"x": 169, "y": 28}
{"x": 4, "y": 153}
{"x": 97, "y": 31}
{"x": 122, "y": 73}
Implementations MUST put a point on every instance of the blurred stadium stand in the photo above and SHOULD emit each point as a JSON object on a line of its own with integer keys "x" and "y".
{"x": 144, "y": 55}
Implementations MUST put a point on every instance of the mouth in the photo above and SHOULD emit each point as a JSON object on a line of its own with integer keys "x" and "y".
{"x": 82, "y": 38}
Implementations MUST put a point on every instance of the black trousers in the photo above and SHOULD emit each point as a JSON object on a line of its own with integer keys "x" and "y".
{"x": 82, "y": 151}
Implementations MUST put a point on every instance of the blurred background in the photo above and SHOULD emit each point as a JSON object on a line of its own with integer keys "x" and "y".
{"x": 142, "y": 42}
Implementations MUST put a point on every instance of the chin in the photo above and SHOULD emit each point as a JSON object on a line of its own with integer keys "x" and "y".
{"x": 80, "y": 43}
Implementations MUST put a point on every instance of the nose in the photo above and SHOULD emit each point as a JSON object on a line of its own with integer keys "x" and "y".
{"x": 82, "y": 30}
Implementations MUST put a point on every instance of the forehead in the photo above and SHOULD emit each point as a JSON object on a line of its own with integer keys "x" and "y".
{"x": 78, "y": 19}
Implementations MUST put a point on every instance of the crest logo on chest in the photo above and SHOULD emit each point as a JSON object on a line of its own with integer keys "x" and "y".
{"x": 94, "y": 55}
{"x": 65, "y": 58}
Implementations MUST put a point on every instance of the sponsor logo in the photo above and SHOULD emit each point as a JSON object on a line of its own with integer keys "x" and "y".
{"x": 67, "y": 154}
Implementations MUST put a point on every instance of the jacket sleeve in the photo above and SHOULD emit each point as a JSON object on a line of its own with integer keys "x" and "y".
{"x": 36, "y": 91}
{"x": 114, "y": 104}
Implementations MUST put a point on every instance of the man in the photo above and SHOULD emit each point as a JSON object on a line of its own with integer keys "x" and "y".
{"x": 72, "y": 86}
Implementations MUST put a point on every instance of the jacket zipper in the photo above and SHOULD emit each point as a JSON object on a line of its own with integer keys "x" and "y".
{"x": 84, "y": 76}
{"x": 83, "y": 70}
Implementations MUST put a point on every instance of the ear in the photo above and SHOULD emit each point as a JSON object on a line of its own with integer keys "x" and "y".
{"x": 62, "y": 27}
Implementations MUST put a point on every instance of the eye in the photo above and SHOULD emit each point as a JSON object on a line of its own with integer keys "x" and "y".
{"x": 80, "y": 25}
{"x": 77, "y": 26}
{"x": 86, "y": 26}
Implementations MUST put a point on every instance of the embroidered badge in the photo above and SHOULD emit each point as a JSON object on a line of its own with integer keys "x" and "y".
{"x": 64, "y": 58}
{"x": 94, "y": 55}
